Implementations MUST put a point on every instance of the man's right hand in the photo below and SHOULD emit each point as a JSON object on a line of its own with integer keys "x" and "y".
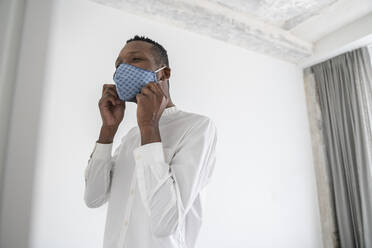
{"x": 112, "y": 113}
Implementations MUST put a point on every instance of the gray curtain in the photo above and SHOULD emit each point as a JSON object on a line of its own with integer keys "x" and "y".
{"x": 344, "y": 88}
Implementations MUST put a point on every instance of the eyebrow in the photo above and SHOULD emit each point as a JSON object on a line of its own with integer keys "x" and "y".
{"x": 135, "y": 52}
{"x": 132, "y": 52}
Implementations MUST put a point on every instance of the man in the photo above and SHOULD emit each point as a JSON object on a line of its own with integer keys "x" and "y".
{"x": 153, "y": 181}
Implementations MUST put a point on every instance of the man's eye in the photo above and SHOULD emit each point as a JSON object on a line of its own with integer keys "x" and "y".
{"x": 136, "y": 59}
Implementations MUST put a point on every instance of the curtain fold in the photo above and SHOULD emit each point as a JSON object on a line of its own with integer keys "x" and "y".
{"x": 344, "y": 88}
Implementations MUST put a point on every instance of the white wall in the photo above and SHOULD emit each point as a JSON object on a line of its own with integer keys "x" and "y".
{"x": 263, "y": 193}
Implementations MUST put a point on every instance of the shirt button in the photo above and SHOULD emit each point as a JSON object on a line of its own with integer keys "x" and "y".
{"x": 138, "y": 156}
{"x": 132, "y": 192}
{"x": 126, "y": 222}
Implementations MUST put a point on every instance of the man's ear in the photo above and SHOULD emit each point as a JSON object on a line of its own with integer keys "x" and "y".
{"x": 166, "y": 74}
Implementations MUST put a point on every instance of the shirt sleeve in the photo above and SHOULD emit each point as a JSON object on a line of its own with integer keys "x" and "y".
{"x": 98, "y": 174}
{"x": 169, "y": 190}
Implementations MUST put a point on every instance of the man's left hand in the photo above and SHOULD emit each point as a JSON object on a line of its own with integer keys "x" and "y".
{"x": 151, "y": 103}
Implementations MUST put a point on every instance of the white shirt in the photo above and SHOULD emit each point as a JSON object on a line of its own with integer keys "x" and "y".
{"x": 154, "y": 190}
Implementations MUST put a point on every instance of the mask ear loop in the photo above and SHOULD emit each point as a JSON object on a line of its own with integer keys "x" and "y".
{"x": 159, "y": 70}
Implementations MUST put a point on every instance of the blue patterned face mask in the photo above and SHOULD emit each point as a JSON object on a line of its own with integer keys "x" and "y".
{"x": 130, "y": 79}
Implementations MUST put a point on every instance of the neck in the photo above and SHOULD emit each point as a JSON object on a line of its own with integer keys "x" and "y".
{"x": 170, "y": 103}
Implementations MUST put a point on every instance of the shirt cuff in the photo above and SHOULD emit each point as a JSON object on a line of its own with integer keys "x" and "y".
{"x": 102, "y": 151}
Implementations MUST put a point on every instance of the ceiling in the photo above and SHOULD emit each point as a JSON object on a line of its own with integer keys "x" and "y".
{"x": 286, "y": 29}
{"x": 284, "y": 14}
{"x": 332, "y": 18}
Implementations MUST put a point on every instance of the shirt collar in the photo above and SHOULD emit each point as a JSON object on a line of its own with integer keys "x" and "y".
{"x": 170, "y": 110}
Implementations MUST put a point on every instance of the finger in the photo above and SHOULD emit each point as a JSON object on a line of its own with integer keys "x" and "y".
{"x": 138, "y": 97}
{"x": 105, "y": 86}
{"x": 111, "y": 91}
{"x": 161, "y": 89}
{"x": 108, "y": 86}
{"x": 114, "y": 93}
{"x": 109, "y": 98}
{"x": 156, "y": 88}
{"x": 153, "y": 88}
{"x": 109, "y": 94}
{"x": 147, "y": 91}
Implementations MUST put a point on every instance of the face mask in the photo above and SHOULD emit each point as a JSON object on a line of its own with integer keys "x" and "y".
{"x": 130, "y": 79}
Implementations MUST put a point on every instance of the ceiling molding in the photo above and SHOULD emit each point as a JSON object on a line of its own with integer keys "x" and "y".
{"x": 281, "y": 13}
{"x": 347, "y": 38}
{"x": 208, "y": 18}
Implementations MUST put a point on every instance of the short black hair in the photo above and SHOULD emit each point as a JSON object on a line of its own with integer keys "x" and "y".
{"x": 161, "y": 56}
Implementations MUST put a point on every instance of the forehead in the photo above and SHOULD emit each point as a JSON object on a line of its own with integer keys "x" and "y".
{"x": 136, "y": 47}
